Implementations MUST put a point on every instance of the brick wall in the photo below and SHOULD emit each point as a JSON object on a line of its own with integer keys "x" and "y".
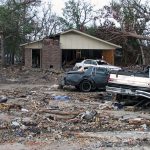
{"x": 28, "y": 58}
{"x": 51, "y": 54}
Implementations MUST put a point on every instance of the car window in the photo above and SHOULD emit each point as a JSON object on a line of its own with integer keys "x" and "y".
{"x": 101, "y": 70}
{"x": 93, "y": 62}
{"x": 87, "y": 62}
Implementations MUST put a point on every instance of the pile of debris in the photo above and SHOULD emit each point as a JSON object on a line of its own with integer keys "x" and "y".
{"x": 23, "y": 75}
{"x": 32, "y": 113}
{"x": 38, "y": 111}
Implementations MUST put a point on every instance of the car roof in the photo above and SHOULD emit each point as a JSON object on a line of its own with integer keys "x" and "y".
{"x": 96, "y": 60}
{"x": 89, "y": 59}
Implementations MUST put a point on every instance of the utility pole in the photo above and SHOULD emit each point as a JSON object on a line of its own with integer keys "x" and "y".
{"x": 2, "y": 55}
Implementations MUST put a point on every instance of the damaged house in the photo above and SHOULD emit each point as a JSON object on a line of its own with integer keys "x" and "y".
{"x": 66, "y": 48}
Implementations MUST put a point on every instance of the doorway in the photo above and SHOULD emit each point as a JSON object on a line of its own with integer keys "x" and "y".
{"x": 36, "y": 58}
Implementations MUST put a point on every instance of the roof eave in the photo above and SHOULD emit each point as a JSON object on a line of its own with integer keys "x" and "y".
{"x": 30, "y": 43}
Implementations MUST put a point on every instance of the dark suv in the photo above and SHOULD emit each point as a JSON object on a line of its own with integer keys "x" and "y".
{"x": 87, "y": 79}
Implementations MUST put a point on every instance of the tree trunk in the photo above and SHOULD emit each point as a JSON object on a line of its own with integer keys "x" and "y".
{"x": 142, "y": 52}
{"x": 11, "y": 58}
{"x": 2, "y": 49}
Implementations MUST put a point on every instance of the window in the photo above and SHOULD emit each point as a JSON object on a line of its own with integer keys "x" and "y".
{"x": 100, "y": 70}
{"x": 93, "y": 62}
{"x": 87, "y": 62}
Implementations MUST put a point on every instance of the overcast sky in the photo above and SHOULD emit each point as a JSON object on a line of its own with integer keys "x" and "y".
{"x": 59, "y": 4}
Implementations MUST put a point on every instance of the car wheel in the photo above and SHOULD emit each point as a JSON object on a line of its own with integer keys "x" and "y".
{"x": 85, "y": 86}
{"x": 93, "y": 87}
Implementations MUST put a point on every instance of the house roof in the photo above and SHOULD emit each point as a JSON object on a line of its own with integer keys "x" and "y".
{"x": 78, "y": 32}
{"x": 90, "y": 36}
{"x": 31, "y": 43}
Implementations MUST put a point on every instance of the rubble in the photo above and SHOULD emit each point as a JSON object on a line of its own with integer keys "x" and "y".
{"x": 61, "y": 97}
{"x": 44, "y": 113}
{"x": 3, "y": 99}
{"x": 29, "y": 76}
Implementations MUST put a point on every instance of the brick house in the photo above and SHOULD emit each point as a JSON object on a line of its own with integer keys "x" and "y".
{"x": 66, "y": 47}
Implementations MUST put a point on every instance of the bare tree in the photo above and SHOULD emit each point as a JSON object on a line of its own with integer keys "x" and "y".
{"x": 46, "y": 23}
{"x": 132, "y": 19}
{"x": 78, "y": 13}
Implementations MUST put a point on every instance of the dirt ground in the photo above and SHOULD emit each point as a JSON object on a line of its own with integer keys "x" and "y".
{"x": 38, "y": 115}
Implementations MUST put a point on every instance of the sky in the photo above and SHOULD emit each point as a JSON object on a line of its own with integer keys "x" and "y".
{"x": 59, "y": 4}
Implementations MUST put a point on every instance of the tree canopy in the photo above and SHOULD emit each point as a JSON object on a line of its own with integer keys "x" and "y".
{"x": 16, "y": 22}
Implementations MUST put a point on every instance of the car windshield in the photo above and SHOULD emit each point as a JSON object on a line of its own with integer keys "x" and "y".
{"x": 102, "y": 62}
{"x": 87, "y": 62}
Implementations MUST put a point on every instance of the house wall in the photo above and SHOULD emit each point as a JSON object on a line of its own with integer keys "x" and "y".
{"x": 28, "y": 57}
{"x": 74, "y": 40}
{"x": 51, "y": 54}
{"x": 108, "y": 56}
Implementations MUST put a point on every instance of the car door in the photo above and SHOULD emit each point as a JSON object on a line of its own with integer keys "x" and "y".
{"x": 100, "y": 76}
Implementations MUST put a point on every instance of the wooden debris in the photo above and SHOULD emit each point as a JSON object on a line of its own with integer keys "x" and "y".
{"x": 5, "y": 107}
{"x": 58, "y": 112}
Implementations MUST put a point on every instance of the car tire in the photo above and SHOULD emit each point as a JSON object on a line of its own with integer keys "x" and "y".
{"x": 85, "y": 86}
{"x": 93, "y": 87}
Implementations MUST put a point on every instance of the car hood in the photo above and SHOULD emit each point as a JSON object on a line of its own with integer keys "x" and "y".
{"x": 75, "y": 72}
